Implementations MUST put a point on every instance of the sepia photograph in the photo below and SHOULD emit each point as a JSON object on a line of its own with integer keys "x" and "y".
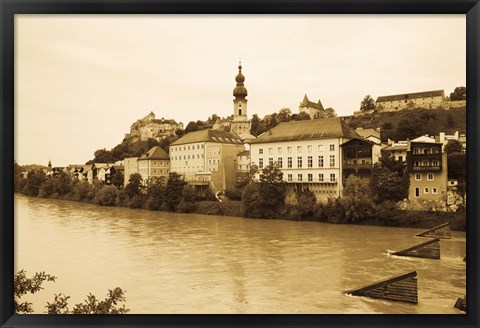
{"x": 240, "y": 164}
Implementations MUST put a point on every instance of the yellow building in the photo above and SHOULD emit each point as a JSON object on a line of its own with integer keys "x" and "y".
{"x": 154, "y": 164}
{"x": 428, "y": 171}
{"x": 427, "y": 99}
{"x": 207, "y": 158}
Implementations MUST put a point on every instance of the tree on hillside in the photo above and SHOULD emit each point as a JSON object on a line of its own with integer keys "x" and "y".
{"x": 453, "y": 146}
{"x": 179, "y": 132}
{"x": 302, "y": 116}
{"x": 330, "y": 112}
{"x": 409, "y": 128}
{"x": 191, "y": 127}
{"x": 284, "y": 115}
{"x": 367, "y": 104}
{"x": 460, "y": 93}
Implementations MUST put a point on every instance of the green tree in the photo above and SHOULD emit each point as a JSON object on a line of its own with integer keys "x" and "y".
{"x": 302, "y": 116}
{"x": 187, "y": 204}
{"x": 453, "y": 146}
{"x": 179, "y": 132}
{"x": 191, "y": 127}
{"x": 457, "y": 169}
{"x": 23, "y": 285}
{"x": 64, "y": 184}
{"x": 134, "y": 186}
{"x": 156, "y": 195}
{"x": 460, "y": 93}
{"x": 265, "y": 198}
{"x": 356, "y": 187}
{"x": 330, "y": 112}
{"x": 284, "y": 115}
{"x": 107, "y": 196}
{"x": 118, "y": 179}
{"x": 175, "y": 185}
{"x": 387, "y": 185}
{"x": 35, "y": 180}
{"x": 367, "y": 104}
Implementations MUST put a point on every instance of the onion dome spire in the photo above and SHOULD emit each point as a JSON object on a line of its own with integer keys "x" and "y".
{"x": 240, "y": 91}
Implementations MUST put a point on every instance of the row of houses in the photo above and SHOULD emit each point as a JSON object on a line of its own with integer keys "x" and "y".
{"x": 315, "y": 155}
{"x": 103, "y": 172}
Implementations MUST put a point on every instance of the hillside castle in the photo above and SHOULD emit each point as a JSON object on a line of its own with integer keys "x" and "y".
{"x": 149, "y": 127}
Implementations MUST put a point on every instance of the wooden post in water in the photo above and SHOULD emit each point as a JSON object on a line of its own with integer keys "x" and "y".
{"x": 461, "y": 304}
{"x": 441, "y": 231}
{"x": 401, "y": 288}
{"x": 429, "y": 250}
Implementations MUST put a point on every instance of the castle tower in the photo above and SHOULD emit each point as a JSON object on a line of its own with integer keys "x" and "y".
{"x": 240, "y": 124}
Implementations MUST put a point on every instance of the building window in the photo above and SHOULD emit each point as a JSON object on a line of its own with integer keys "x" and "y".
{"x": 320, "y": 161}
{"x": 400, "y": 158}
{"x": 155, "y": 163}
{"x": 320, "y": 148}
{"x": 430, "y": 176}
{"x": 279, "y": 150}
{"x": 415, "y": 150}
{"x": 270, "y": 151}
{"x": 299, "y": 162}
{"x": 417, "y": 163}
{"x": 310, "y": 161}
{"x": 270, "y": 161}
{"x": 332, "y": 147}
{"x": 418, "y": 176}
{"x": 280, "y": 162}
{"x": 332, "y": 160}
{"x": 289, "y": 150}
{"x": 435, "y": 163}
{"x": 332, "y": 177}
{"x": 289, "y": 177}
{"x": 289, "y": 162}
{"x": 299, "y": 177}
{"x": 310, "y": 177}
{"x": 434, "y": 190}
{"x": 299, "y": 149}
{"x": 309, "y": 149}
{"x": 426, "y": 190}
{"x": 320, "y": 177}
{"x": 260, "y": 163}
{"x": 260, "y": 150}
{"x": 417, "y": 192}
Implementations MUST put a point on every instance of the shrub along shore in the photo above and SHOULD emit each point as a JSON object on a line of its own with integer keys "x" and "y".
{"x": 263, "y": 199}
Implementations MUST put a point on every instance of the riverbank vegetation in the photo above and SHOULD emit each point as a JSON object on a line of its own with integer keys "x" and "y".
{"x": 373, "y": 201}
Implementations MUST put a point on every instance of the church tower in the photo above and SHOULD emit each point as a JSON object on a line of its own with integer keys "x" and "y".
{"x": 240, "y": 124}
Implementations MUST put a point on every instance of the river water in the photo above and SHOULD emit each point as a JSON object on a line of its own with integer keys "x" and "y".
{"x": 189, "y": 263}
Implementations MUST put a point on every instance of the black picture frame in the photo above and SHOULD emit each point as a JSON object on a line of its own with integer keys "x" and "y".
{"x": 9, "y": 8}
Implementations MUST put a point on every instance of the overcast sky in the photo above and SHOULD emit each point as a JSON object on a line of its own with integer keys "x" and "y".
{"x": 81, "y": 81}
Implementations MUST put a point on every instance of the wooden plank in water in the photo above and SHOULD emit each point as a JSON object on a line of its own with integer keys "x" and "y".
{"x": 401, "y": 288}
{"x": 441, "y": 231}
{"x": 429, "y": 250}
{"x": 461, "y": 304}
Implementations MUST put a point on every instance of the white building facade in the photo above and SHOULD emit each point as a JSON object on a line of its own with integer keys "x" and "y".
{"x": 308, "y": 154}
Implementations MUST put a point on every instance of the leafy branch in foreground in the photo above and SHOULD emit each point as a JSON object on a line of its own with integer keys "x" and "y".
{"x": 24, "y": 285}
